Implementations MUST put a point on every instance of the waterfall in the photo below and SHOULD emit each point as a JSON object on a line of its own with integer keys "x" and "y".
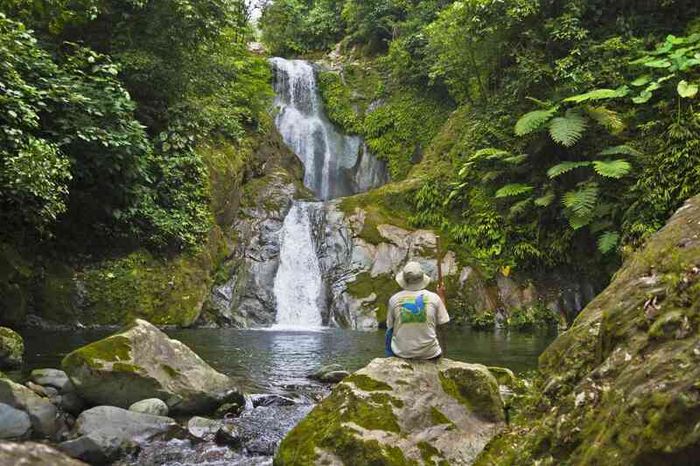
{"x": 335, "y": 164}
{"x": 298, "y": 284}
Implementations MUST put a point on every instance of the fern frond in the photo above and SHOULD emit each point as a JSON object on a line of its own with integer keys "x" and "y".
{"x": 609, "y": 119}
{"x": 621, "y": 150}
{"x": 545, "y": 200}
{"x": 490, "y": 176}
{"x": 612, "y": 168}
{"x": 599, "y": 94}
{"x": 565, "y": 167}
{"x": 608, "y": 241}
{"x": 489, "y": 153}
{"x": 520, "y": 207}
{"x": 582, "y": 202}
{"x": 567, "y": 130}
{"x": 516, "y": 159}
{"x": 533, "y": 121}
{"x": 513, "y": 189}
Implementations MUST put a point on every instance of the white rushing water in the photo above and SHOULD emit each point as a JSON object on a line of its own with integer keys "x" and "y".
{"x": 298, "y": 284}
{"x": 335, "y": 164}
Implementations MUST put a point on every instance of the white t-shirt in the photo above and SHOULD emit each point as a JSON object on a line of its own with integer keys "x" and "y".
{"x": 414, "y": 316}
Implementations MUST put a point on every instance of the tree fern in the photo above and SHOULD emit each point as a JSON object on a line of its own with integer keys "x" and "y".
{"x": 608, "y": 241}
{"x": 565, "y": 167}
{"x": 612, "y": 168}
{"x": 533, "y": 121}
{"x": 514, "y": 189}
{"x": 567, "y": 130}
{"x": 598, "y": 94}
{"x": 620, "y": 150}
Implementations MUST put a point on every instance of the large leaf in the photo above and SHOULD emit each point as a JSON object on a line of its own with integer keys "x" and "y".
{"x": 565, "y": 167}
{"x": 686, "y": 90}
{"x": 608, "y": 241}
{"x": 567, "y": 130}
{"x": 533, "y": 121}
{"x": 599, "y": 94}
{"x": 513, "y": 189}
{"x": 612, "y": 168}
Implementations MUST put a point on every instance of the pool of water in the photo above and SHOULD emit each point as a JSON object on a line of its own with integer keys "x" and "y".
{"x": 274, "y": 361}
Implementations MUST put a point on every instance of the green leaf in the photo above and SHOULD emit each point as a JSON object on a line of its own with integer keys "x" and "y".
{"x": 545, "y": 200}
{"x": 582, "y": 201}
{"x": 641, "y": 81}
{"x": 514, "y": 189}
{"x": 567, "y": 130}
{"x": 599, "y": 94}
{"x": 662, "y": 63}
{"x": 612, "y": 168}
{"x": 533, "y": 121}
{"x": 489, "y": 153}
{"x": 516, "y": 159}
{"x": 608, "y": 241}
{"x": 642, "y": 98}
{"x": 621, "y": 150}
{"x": 687, "y": 91}
{"x": 520, "y": 207}
{"x": 565, "y": 167}
{"x": 607, "y": 118}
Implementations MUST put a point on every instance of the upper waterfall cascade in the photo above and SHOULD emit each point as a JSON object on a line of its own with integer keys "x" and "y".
{"x": 335, "y": 164}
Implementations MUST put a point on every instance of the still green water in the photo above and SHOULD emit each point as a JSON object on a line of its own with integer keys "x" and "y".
{"x": 277, "y": 361}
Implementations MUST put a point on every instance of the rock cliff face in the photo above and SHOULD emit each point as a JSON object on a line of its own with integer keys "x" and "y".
{"x": 398, "y": 412}
{"x": 621, "y": 385}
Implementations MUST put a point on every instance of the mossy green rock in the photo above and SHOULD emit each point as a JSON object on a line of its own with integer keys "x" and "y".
{"x": 11, "y": 348}
{"x": 621, "y": 386}
{"x": 399, "y": 412}
{"x": 142, "y": 362}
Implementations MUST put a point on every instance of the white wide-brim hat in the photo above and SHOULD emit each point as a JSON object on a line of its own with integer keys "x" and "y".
{"x": 412, "y": 277}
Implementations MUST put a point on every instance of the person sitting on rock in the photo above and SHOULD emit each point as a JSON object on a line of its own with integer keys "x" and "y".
{"x": 414, "y": 316}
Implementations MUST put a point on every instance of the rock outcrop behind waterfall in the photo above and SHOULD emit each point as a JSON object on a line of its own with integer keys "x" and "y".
{"x": 621, "y": 385}
{"x": 396, "y": 412}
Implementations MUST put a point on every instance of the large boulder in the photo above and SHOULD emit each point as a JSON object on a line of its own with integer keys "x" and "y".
{"x": 41, "y": 412}
{"x": 621, "y": 387}
{"x": 106, "y": 432}
{"x": 11, "y": 348}
{"x": 143, "y": 362}
{"x": 395, "y": 412}
{"x": 14, "y": 423}
{"x": 31, "y": 453}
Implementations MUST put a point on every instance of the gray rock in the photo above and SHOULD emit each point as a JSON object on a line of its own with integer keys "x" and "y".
{"x": 142, "y": 362}
{"x": 31, "y": 453}
{"x": 332, "y": 373}
{"x": 203, "y": 428}
{"x": 42, "y": 413}
{"x": 271, "y": 400}
{"x": 154, "y": 406}
{"x": 107, "y": 432}
{"x": 14, "y": 424}
{"x": 70, "y": 402}
{"x": 11, "y": 348}
{"x": 229, "y": 410}
{"x": 228, "y": 435}
{"x": 53, "y": 378}
{"x": 453, "y": 407}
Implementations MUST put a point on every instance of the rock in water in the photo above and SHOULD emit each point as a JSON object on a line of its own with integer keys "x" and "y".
{"x": 30, "y": 453}
{"x": 107, "y": 432}
{"x": 396, "y": 412}
{"x": 11, "y": 348}
{"x": 42, "y": 413}
{"x": 142, "y": 362}
{"x": 51, "y": 377}
{"x": 332, "y": 373}
{"x": 154, "y": 406}
{"x": 620, "y": 387}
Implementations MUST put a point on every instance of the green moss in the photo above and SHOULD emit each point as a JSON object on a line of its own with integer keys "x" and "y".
{"x": 366, "y": 383}
{"x": 116, "y": 349}
{"x": 477, "y": 390}
{"x": 428, "y": 451}
{"x": 438, "y": 417}
{"x": 384, "y": 398}
{"x": 169, "y": 370}
{"x": 11, "y": 348}
{"x": 383, "y": 286}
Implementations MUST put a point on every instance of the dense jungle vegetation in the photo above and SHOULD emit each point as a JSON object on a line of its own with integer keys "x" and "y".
{"x": 531, "y": 132}
{"x": 106, "y": 106}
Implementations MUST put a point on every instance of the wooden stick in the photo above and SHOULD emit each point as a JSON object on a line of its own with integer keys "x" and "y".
{"x": 439, "y": 259}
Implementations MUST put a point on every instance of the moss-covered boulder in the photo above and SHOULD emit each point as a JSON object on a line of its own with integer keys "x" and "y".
{"x": 621, "y": 386}
{"x": 11, "y": 348}
{"x": 142, "y": 362}
{"x": 399, "y": 412}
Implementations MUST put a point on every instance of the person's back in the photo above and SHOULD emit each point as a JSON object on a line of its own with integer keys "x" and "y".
{"x": 414, "y": 315}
